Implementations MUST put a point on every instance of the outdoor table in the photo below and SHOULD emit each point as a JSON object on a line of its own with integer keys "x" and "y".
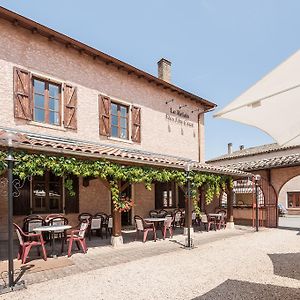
{"x": 52, "y": 229}
{"x": 215, "y": 215}
{"x": 156, "y": 221}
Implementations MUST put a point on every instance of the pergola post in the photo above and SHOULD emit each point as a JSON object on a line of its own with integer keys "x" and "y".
{"x": 116, "y": 238}
{"x": 230, "y": 221}
{"x": 188, "y": 229}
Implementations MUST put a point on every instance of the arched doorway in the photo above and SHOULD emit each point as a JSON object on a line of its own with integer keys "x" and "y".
{"x": 289, "y": 195}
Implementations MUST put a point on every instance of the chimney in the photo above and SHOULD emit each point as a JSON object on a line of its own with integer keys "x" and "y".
{"x": 164, "y": 70}
{"x": 229, "y": 148}
{"x": 242, "y": 147}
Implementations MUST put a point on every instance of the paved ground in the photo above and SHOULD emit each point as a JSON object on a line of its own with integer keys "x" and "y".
{"x": 289, "y": 222}
{"x": 225, "y": 265}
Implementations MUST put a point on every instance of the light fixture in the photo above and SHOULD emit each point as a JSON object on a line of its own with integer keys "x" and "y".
{"x": 169, "y": 101}
{"x": 182, "y": 106}
{"x": 195, "y": 110}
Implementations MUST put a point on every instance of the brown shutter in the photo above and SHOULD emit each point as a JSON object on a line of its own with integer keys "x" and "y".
{"x": 22, "y": 96}
{"x": 104, "y": 115}
{"x": 21, "y": 201}
{"x": 72, "y": 202}
{"x": 136, "y": 124}
{"x": 70, "y": 107}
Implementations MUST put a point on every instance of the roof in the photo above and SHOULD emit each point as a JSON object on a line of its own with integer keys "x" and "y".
{"x": 59, "y": 146}
{"x": 267, "y": 163}
{"x": 52, "y": 35}
{"x": 252, "y": 151}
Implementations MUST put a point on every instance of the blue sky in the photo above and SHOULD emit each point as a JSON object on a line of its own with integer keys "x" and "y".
{"x": 218, "y": 48}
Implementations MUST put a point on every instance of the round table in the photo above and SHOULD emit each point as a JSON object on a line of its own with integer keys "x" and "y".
{"x": 52, "y": 229}
{"x": 155, "y": 219}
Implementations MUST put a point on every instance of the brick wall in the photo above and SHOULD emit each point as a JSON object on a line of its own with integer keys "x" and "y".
{"x": 19, "y": 47}
{"x": 144, "y": 200}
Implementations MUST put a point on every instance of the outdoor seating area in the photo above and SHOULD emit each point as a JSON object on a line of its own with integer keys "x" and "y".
{"x": 163, "y": 220}
{"x": 44, "y": 232}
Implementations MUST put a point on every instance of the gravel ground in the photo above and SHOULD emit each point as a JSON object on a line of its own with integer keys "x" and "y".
{"x": 232, "y": 268}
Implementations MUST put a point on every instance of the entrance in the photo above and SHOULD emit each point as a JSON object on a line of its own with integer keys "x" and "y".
{"x": 126, "y": 215}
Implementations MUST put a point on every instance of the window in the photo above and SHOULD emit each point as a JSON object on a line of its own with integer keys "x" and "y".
{"x": 119, "y": 121}
{"x": 47, "y": 193}
{"x": 294, "y": 199}
{"x": 165, "y": 195}
{"x": 46, "y": 102}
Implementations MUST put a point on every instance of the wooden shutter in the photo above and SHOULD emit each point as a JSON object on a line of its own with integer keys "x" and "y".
{"x": 21, "y": 203}
{"x": 158, "y": 195}
{"x": 104, "y": 115}
{"x": 22, "y": 94}
{"x": 72, "y": 202}
{"x": 136, "y": 124}
{"x": 70, "y": 107}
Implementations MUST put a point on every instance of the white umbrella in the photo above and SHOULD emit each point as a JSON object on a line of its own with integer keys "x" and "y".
{"x": 272, "y": 104}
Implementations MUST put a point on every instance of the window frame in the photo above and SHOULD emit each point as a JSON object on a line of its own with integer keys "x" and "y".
{"x": 46, "y": 108}
{"x": 119, "y": 117}
{"x": 295, "y": 197}
{"x": 47, "y": 183}
{"x": 169, "y": 187}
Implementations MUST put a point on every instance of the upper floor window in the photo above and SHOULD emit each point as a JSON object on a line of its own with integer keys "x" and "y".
{"x": 40, "y": 100}
{"x": 119, "y": 121}
{"x": 46, "y": 101}
{"x": 115, "y": 117}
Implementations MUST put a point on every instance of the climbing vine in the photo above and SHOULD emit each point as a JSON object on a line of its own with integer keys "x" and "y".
{"x": 28, "y": 164}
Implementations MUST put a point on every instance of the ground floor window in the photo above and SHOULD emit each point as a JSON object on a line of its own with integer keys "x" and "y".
{"x": 293, "y": 199}
{"x": 165, "y": 195}
{"x": 46, "y": 194}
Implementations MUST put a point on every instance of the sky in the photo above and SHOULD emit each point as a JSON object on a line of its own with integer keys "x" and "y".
{"x": 218, "y": 48}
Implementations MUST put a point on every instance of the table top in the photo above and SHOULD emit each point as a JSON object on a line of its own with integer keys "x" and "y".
{"x": 52, "y": 228}
{"x": 155, "y": 219}
{"x": 215, "y": 215}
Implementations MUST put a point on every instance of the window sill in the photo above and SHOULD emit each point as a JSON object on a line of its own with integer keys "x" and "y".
{"x": 44, "y": 125}
{"x": 119, "y": 140}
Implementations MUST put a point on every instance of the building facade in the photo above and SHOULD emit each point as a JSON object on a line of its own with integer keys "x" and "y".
{"x": 61, "y": 96}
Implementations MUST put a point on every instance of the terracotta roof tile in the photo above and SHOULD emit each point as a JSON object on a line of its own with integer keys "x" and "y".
{"x": 43, "y": 143}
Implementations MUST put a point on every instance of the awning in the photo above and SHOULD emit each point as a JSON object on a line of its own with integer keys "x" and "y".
{"x": 86, "y": 150}
{"x": 272, "y": 104}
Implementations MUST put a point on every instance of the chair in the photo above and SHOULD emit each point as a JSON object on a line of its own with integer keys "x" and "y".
{"x": 59, "y": 234}
{"x": 32, "y": 240}
{"x": 221, "y": 222}
{"x": 109, "y": 225}
{"x": 84, "y": 216}
{"x": 168, "y": 226}
{"x": 142, "y": 226}
{"x": 51, "y": 216}
{"x": 77, "y": 236}
{"x": 104, "y": 221}
{"x": 207, "y": 221}
{"x": 162, "y": 213}
{"x": 32, "y": 222}
{"x": 96, "y": 225}
{"x": 153, "y": 213}
{"x": 177, "y": 218}
{"x": 194, "y": 218}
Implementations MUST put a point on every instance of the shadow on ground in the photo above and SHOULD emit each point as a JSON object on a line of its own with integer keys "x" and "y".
{"x": 286, "y": 264}
{"x": 244, "y": 290}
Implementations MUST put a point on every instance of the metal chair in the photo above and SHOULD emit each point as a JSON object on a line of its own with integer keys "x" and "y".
{"x": 96, "y": 225}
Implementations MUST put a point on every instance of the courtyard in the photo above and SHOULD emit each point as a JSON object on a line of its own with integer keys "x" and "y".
{"x": 227, "y": 264}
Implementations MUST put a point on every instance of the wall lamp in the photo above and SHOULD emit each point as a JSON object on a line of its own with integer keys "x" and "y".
{"x": 169, "y": 101}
